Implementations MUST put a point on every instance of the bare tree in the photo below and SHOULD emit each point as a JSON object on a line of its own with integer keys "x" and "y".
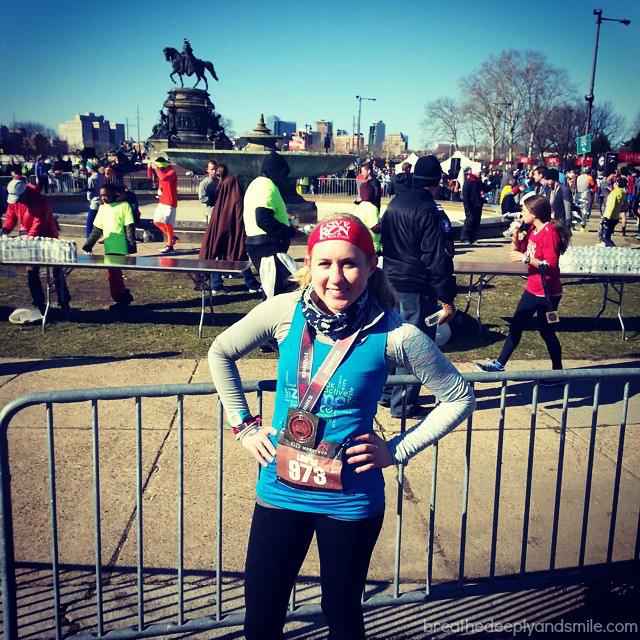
{"x": 604, "y": 121}
{"x": 227, "y": 125}
{"x": 442, "y": 118}
{"x": 482, "y": 92}
{"x": 542, "y": 87}
{"x": 633, "y": 143}
{"x": 472, "y": 128}
{"x": 562, "y": 127}
{"x": 36, "y": 128}
{"x": 510, "y": 65}
{"x": 30, "y": 139}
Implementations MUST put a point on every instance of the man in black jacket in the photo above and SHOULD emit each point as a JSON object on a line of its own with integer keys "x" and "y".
{"x": 417, "y": 262}
{"x": 472, "y": 200}
{"x": 401, "y": 182}
{"x": 560, "y": 197}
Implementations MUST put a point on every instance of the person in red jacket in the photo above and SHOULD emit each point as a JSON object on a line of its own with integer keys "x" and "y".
{"x": 543, "y": 244}
{"x": 165, "y": 215}
{"x": 28, "y": 207}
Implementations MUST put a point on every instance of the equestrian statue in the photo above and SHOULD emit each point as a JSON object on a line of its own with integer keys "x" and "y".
{"x": 186, "y": 64}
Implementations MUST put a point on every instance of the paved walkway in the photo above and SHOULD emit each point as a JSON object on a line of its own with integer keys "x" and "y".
{"x": 73, "y": 442}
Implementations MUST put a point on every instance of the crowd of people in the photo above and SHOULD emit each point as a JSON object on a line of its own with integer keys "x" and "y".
{"x": 355, "y": 312}
{"x": 112, "y": 216}
{"x": 574, "y": 195}
{"x": 63, "y": 174}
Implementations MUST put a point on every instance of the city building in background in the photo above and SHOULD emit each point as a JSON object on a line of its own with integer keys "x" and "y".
{"x": 307, "y": 140}
{"x": 376, "y": 135}
{"x": 346, "y": 143}
{"x": 280, "y": 127}
{"x": 395, "y": 144}
{"x": 89, "y": 130}
{"x": 325, "y": 127}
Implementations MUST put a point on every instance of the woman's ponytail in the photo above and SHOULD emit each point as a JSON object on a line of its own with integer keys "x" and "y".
{"x": 563, "y": 234}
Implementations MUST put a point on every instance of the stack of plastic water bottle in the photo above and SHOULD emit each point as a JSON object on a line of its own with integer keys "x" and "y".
{"x": 26, "y": 249}
{"x": 600, "y": 260}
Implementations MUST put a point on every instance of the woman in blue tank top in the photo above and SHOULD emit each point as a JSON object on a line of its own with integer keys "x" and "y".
{"x": 321, "y": 460}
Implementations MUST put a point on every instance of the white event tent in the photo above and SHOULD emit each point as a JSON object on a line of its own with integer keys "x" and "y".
{"x": 464, "y": 163}
{"x": 412, "y": 159}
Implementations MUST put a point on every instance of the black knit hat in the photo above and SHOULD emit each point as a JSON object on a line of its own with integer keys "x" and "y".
{"x": 274, "y": 166}
{"x": 427, "y": 171}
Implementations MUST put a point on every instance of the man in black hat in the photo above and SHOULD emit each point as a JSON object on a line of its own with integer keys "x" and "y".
{"x": 472, "y": 200}
{"x": 560, "y": 197}
{"x": 418, "y": 263}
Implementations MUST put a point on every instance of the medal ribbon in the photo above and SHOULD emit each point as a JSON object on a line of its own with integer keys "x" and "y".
{"x": 545, "y": 286}
{"x": 309, "y": 391}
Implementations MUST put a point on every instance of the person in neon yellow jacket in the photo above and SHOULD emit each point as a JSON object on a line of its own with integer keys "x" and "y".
{"x": 267, "y": 226}
{"x": 613, "y": 212}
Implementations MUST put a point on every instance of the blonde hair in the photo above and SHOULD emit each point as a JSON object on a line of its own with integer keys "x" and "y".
{"x": 379, "y": 285}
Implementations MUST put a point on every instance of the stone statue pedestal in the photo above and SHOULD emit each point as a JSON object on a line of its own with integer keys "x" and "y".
{"x": 188, "y": 121}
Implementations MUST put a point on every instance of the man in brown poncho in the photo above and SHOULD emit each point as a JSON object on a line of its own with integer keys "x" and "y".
{"x": 224, "y": 238}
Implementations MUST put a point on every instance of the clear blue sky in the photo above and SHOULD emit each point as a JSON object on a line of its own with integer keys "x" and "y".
{"x": 300, "y": 60}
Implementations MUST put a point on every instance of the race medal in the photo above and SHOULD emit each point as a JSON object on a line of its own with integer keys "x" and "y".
{"x": 302, "y": 427}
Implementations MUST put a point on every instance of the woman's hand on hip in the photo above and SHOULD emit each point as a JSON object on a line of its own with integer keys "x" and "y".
{"x": 372, "y": 453}
{"x": 516, "y": 256}
{"x": 258, "y": 443}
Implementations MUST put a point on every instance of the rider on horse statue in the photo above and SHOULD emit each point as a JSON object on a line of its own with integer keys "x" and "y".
{"x": 186, "y": 64}
{"x": 188, "y": 59}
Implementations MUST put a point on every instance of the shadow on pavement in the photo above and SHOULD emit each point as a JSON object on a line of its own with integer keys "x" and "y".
{"x": 603, "y": 595}
{"x": 25, "y": 366}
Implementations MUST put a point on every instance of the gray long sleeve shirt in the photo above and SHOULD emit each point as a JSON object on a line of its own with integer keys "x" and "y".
{"x": 406, "y": 347}
{"x": 203, "y": 195}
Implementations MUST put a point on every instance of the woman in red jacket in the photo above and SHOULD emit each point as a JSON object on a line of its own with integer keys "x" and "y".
{"x": 541, "y": 246}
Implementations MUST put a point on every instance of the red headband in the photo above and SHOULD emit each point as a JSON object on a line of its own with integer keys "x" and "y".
{"x": 343, "y": 229}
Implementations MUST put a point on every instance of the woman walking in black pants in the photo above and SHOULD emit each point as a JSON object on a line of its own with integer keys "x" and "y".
{"x": 540, "y": 249}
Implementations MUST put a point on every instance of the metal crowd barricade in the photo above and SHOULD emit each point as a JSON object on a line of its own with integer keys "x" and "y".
{"x": 65, "y": 182}
{"x": 491, "y": 583}
{"x": 328, "y": 186}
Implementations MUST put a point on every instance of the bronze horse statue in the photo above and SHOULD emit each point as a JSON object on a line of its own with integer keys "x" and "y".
{"x": 197, "y": 67}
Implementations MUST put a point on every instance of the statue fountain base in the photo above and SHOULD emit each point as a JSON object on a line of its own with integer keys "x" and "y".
{"x": 187, "y": 121}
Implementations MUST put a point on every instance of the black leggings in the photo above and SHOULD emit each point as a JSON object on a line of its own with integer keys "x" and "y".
{"x": 527, "y": 307}
{"x": 278, "y": 543}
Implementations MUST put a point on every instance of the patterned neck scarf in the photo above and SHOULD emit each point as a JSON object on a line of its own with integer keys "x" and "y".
{"x": 338, "y": 325}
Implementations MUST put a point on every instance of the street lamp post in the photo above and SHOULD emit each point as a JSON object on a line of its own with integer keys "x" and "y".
{"x": 589, "y": 97}
{"x": 360, "y": 99}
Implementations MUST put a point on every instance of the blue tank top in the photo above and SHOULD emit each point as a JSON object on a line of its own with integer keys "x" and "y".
{"x": 347, "y": 406}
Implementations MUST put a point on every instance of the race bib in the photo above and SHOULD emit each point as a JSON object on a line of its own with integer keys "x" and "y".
{"x": 308, "y": 468}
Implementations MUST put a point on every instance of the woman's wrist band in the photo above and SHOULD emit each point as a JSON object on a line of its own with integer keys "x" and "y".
{"x": 252, "y": 422}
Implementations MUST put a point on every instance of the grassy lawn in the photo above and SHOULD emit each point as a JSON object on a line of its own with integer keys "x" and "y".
{"x": 163, "y": 320}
